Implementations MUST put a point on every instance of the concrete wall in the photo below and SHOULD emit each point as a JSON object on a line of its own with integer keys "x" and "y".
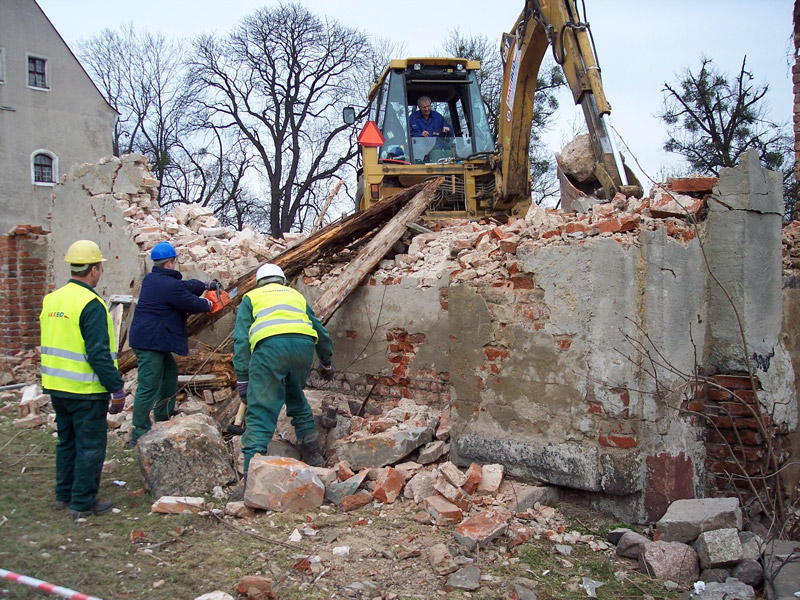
{"x": 575, "y": 370}
{"x": 71, "y": 119}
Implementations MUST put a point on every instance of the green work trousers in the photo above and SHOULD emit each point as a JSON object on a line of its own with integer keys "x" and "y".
{"x": 157, "y": 387}
{"x": 279, "y": 367}
{"x": 81, "y": 450}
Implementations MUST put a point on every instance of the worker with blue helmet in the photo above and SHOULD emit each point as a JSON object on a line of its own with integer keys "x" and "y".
{"x": 157, "y": 331}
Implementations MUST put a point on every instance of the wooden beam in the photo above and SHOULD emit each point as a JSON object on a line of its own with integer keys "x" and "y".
{"x": 372, "y": 253}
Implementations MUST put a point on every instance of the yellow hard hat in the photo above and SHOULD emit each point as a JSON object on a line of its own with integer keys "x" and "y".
{"x": 84, "y": 252}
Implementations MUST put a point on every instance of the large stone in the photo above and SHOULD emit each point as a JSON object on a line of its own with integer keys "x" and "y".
{"x": 686, "y": 519}
{"x": 631, "y": 543}
{"x": 577, "y": 158}
{"x": 384, "y": 448}
{"x": 749, "y": 571}
{"x": 781, "y": 568}
{"x": 184, "y": 457}
{"x": 335, "y": 492}
{"x": 420, "y": 486}
{"x": 718, "y": 548}
{"x": 389, "y": 485}
{"x": 467, "y": 578}
{"x": 669, "y": 560}
{"x": 282, "y": 484}
{"x": 732, "y": 589}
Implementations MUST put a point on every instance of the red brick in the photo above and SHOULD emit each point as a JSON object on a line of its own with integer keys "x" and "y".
{"x": 509, "y": 246}
{"x": 616, "y": 440}
{"x": 442, "y": 510}
{"x": 685, "y": 185}
{"x": 389, "y": 485}
{"x": 355, "y": 501}
{"x": 734, "y": 382}
{"x": 474, "y": 474}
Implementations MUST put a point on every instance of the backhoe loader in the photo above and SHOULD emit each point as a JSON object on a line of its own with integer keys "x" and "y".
{"x": 484, "y": 176}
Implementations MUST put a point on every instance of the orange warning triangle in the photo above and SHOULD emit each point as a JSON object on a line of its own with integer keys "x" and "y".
{"x": 370, "y": 135}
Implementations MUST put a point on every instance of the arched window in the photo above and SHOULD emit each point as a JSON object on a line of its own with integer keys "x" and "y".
{"x": 44, "y": 167}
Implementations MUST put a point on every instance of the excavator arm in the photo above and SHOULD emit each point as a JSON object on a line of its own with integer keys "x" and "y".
{"x": 556, "y": 24}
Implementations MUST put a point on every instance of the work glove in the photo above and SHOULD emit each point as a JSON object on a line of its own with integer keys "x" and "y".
{"x": 327, "y": 372}
{"x": 241, "y": 389}
{"x": 117, "y": 402}
{"x": 213, "y": 285}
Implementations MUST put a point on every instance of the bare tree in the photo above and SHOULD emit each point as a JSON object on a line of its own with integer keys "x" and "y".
{"x": 280, "y": 80}
{"x": 712, "y": 120}
{"x": 141, "y": 75}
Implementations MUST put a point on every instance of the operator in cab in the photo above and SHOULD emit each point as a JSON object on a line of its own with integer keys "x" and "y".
{"x": 426, "y": 122}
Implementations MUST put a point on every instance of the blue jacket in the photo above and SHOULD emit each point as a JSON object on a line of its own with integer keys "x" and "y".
{"x": 159, "y": 321}
{"x": 433, "y": 125}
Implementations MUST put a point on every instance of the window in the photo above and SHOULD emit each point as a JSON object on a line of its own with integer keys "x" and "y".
{"x": 37, "y": 72}
{"x": 44, "y": 167}
{"x": 2, "y": 65}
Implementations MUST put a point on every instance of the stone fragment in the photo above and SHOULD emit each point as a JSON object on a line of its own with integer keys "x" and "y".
{"x": 384, "y": 448}
{"x": 389, "y": 485}
{"x": 445, "y": 424}
{"x": 442, "y": 561}
{"x": 714, "y": 575}
{"x": 175, "y": 505}
{"x": 420, "y": 486}
{"x": 355, "y": 501}
{"x": 453, "y": 474}
{"x": 255, "y": 587}
{"x": 482, "y": 528}
{"x": 452, "y": 493}
{"x": 239, "y": 510}
{"x": 334, "y": 492}
{"x": 432, "y": 452}
{"x": 686, "y": 519}
{"x": 442, "y": 510}
{"x": 29, "y": 422}
{"x": 184, "y": 457}
{"x": 326, "y": 476}
{"x": 615, "y": 535}
{"x": 467, "y": 578}
{"x": 282, "y": 484}
{"x": 751, "y": 545}
{"x": 749, "y": 571}
{"x": 732, "y": 589}
{"x": 523, "y": 497}
{"x": 215, "y": 595}
{"x": 110, "y": 466}
{"x": 409, "y": 468}
{"x": 669, "y": 560}
{"x": 718, "y": 548}
{"x": 630, "y": 544}
{"x": 492, "y": 477}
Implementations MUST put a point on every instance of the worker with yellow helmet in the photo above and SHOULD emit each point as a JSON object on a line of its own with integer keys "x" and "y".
{"x": 79, "y": 371}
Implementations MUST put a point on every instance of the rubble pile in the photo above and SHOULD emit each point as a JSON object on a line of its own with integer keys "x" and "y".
{"x": 486, "y": 250}
{"x": 791, "y": 249}
{"x": 203, "y": 245}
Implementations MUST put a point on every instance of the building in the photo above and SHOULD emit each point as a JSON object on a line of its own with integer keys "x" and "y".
{"x": 52, "y": 116}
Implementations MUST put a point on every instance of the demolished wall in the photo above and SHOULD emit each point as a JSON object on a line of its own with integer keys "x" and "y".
{"x": 570, "y": 360}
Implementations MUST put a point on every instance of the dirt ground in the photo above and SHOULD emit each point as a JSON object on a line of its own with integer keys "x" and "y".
{"x": 380, "y": 551}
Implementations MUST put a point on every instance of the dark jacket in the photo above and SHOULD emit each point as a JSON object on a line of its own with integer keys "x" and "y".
{"x": 159, "y": 321}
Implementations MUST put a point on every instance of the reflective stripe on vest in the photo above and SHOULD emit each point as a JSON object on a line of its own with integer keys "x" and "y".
{"x": 65, "y": 365}
{"x": 278, "y": 309}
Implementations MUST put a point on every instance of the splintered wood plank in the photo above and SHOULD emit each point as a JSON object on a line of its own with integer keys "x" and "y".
{"x": 338, "y": 291}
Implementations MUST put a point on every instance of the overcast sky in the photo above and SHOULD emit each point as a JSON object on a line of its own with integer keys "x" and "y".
{"x": 640, "y": 44}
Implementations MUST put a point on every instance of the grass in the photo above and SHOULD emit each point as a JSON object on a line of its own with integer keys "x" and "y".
{"x": 138, "y": 555}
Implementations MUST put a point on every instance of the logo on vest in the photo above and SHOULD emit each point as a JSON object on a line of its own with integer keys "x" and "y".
{"x": 58, "y": 315}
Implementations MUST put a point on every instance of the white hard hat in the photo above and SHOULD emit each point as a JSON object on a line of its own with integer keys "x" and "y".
{"x": 270, "y": 270}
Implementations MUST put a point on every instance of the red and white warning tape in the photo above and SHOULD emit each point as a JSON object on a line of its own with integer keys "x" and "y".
{"x": 46, "y": 587}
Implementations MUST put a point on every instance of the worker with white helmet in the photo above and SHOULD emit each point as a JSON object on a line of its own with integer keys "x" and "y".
{"x": 79, "y": 369}
{"x": 274, "y": 341}
{"x": 158, "y": 330}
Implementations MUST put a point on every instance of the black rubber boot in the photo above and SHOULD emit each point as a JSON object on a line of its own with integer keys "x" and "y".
{"x": 310, "y": 451}
{"x": 238, "y": 491}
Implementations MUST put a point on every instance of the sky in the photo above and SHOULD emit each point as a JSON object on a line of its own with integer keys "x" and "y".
{"x": 641, "y": 45}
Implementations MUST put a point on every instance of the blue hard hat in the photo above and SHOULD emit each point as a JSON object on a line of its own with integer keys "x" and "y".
{"x": 162, "y": 250}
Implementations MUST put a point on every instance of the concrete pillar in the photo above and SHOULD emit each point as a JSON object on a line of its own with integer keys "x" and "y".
{"x": 743, "y": 248}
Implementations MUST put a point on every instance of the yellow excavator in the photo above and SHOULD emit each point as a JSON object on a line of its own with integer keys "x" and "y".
{"x": 483, "y": 176}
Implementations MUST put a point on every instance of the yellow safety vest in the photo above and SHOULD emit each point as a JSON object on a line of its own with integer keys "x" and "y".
{"x": 65, "y": 365}
{"x": 278, "y": 309}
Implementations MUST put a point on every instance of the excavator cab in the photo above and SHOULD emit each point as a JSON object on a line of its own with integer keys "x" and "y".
{"x": 454, "y": 94}
{"x": 402, "y": 159}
